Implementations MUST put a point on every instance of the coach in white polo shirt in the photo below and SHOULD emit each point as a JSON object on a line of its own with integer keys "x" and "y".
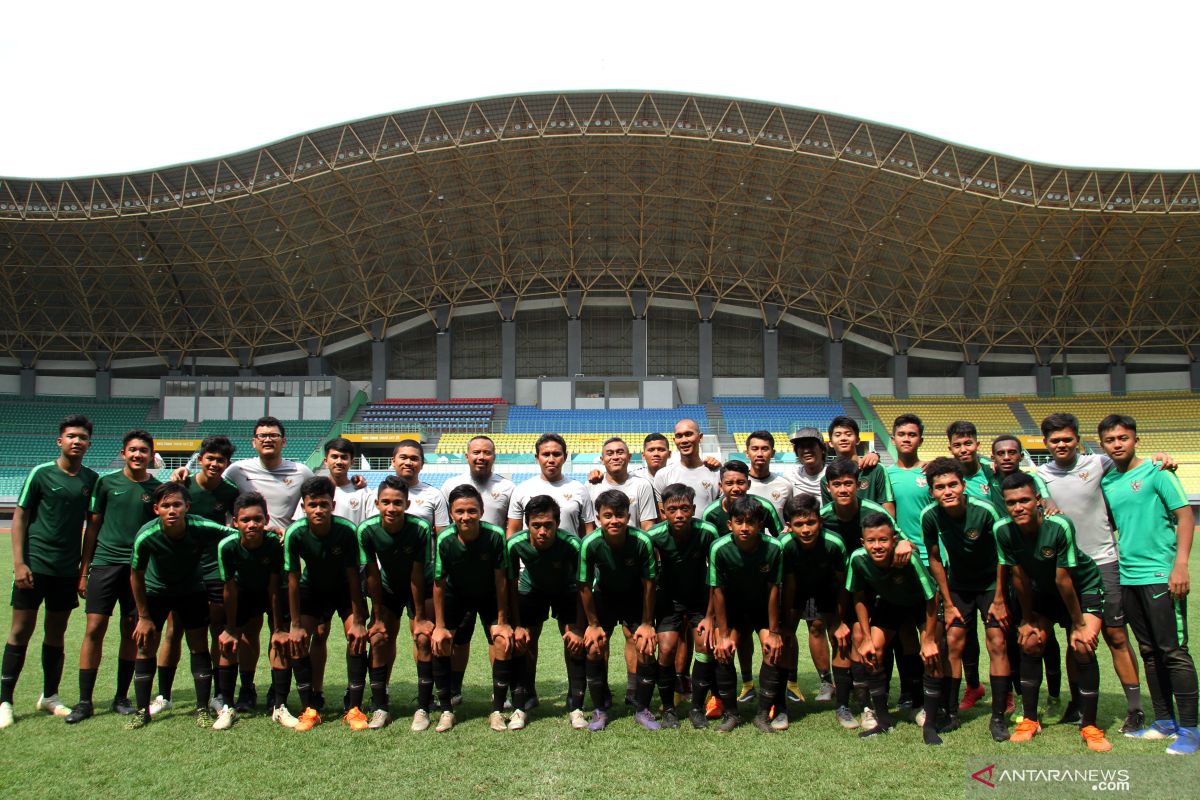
{"x": 643, "y": 510}
{"x": 496, "y": 490}
{"x": 576, "y": 514}
{"x": 690, "y": 469}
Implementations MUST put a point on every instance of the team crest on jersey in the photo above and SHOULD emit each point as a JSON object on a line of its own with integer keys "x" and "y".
{"x": 497, "y": 496}
{"x": 556, "y": 564}
{"x": 778, "y": 493}
{"x": 864, "y": 485}
{"x": 145, "y": 497}
{"x": 354, "y": 503}
{"x": 288, "y": 481}
{"x": 86, "y": 491}
{"x": 629, "y": 562}
{"x": 336, "y": 550}
{"x": 1083, "y": 474}
{"x": 921, "y": 482}
{"x": 1135, "y": 485}
{"x": 568, "y": 497}
{"x": 764, "y": 568}
{"x": 483, "y": 556}
{"x": 265, "y": 561}
{"x": 418, "y": 501}
{"x": 897, "y": 578}
{"x": 218, "y": 506}
{"x": 971, "y": 535}
{"x": 1047, "y": 552}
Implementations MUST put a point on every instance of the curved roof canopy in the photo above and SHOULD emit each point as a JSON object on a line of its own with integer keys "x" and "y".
{"x": 344, "y": 231}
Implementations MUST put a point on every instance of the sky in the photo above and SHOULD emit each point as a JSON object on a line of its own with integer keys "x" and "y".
{"x": 94, "y": 88}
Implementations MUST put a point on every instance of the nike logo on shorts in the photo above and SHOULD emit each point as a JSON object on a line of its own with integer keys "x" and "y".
{"x": 1156, "y": 596}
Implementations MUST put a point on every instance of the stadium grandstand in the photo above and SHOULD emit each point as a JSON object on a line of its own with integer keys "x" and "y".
{"x": 595, "y": 264}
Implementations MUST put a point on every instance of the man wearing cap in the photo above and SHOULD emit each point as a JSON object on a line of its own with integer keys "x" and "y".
{"x": 810, "y": 462}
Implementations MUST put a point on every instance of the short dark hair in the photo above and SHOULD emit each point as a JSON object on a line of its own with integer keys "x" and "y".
{"x": 801, "y": 505}
{"x": 169, "y": 488}
{"x": 1007, "y": 437}
{"x": 961, "y": 428}
{"x": 483, "y": 436}
{"x": 655, "y": 437}
{"x": 1116, "y": 421}
{"x": 878, "y": 519}
{"x": 1060, "y": 422}
{"x": 734, "y": 465}
{"x": 841, "y": 468}
{"x": 1019, "y": 480}
{"x": 393, "y": 482}
{"x": 943, "y": 465}
{"x": 749, "y": 509}
{"x": 678, "y": 491}
{"x": 407, "y": 443}
{"x": 549, "y": 437}
{"x": 542, "y": 504}
{"x": 249, "y": 500}
{"x": 614, "y": 500}
{"x": 612, "y": 439}
{"x": 464, "y": 490}
{"x": 341, "y": 444}
{"x": 317, "y": 486}
{"x": 75, "y": 421}
{"x": 765, "y": 436}
{"x": 140, "y": 435}
{"x": 843, "y": 422}
{"x": 269, "y": 422}
{"x": 218, "y": 444}
{"x": 909, "y": 419}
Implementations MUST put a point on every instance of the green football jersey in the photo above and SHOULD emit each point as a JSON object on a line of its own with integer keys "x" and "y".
{"x": 396, "y": 553}
{"x": 911, "y": 492}
{"x": 996, "y": 497}
{"x": 172, "y": 566}
{"x": 617, "y": 571}
{"x": 468, "y": 568}
{"x": 126, "y": 506}
{"x": 683, "y": 563}
{"x": 850, "y": 530}
{"x": 901, "y": 586}
{"x": 744, "y": 577}
{"x": 1143, "y": 502}
{"x": 967, "y": 545}
{"x": 216, "y": 506}
{"x": 56, "y": 507}
{"x": 716, "y": 515}
{"x": 250, "y": 569}
{"x": 550, "y": 571}
{"x": 815, "y": 567}
{"x": 873, "y": 485}
{"x": 979, "y": 485}
{"x": 322, "y": 561}
{"x": 1041, "y": 554}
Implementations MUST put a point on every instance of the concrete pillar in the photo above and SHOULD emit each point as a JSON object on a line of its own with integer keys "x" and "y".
{"x": 441, "y": 319}
{"x": 1194, "y": 367}
{"x": 508, "y": 349}
{"x": 316, "y": 365}
{"x": 639, "y": 299}
{"x": 573, "y": 298}
{"x": 705, "y": 305}
{"x": 379, "y": 361}
{"x": 772, "y": 314}
{"x": 1117, "y": 383}
{"x": 833, "y": 358}
{"x": 898, "y": 368}
{"x": 1043, "y": 378}
{"x": 970, "y": 372}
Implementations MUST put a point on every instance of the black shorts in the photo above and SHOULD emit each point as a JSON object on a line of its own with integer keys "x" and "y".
{"x": 1158, "y": 621}
{"x": 398, "y": 604}
{"x": 107, "y": 586}
{"x": 536, "y": 607}
{"x": 890, "y": 617}
{"x": 58, "y": 592}
{"x": 190, "y": 610}
{"x": 618, "y": 610}
{"x": 1114, "y": 601}
{"x": 1052, "y": 607}
{"x": 215, "y": 590}
{"x": 969, "y": 603}
{"x": 460, "y": 613}
{"x": 322, "y": 604}
{"x": 251, "y": 605}
{"x": 820, "y": 603}
{"x": 672, "y": 616}
{"x": 747, "y": 619}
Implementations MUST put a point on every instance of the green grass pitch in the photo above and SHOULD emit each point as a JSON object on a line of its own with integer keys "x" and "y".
{"x": 40, "y": 756}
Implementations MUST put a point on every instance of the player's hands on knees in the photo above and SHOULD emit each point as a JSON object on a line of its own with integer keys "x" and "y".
{"x": 441, "y": 641}
{"x": 1179, "y": 584}
{"x": 144, "y": 633}
{"x": 227, "y": 643}
{"x": 356, "y": 637}
{"x": 298, "y": 641}
{"x": 23, "y": 576}
{"x": 704, "y": 632}
{"x": 866, "y": 650}
{"x": 377, "y": 634}
{"x": 951, "y": 614}
{"x": 841, "y": 635}
{"x": 772, "y": 646}
{"x": 422, "y": 628}
{"x": 594, "y": 638}
{"x": 724, "y": 647}
{"x": 502, "y": 638}
{"x": 645, "y": 639}
{"x": 903, "y": 552}
{"x": 573, "y": 642}
{"x": 1083, "y": 641}
{"x": 930, "y": 652}
{"x": 520, "y": 639}
{"x": 281, "y": 644}
{"x": 998, "y": 612}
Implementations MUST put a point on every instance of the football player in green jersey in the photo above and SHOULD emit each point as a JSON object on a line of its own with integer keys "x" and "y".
{"x": 814, "y": 569}
{"x": 1056, "y": 583}
{"x": 959, "y": 538}
{"x": 745, "y": 573}
{"x": 542, "y": 571}
{"x": 165, "y": 579}
{"x": 844, "y": 441}
{"x": 46, "y": 529}
{"x": 121, "y": 505}
{"x": 470, "y": 579}
{"x": 1155, "y": 524}
{"x": 905, "y": 604}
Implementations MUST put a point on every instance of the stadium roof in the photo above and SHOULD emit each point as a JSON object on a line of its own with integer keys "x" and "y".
{"x": 343, "y": 231}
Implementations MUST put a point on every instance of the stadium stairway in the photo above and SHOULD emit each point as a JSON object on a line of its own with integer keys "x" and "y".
{"x": 1024, "y": 418}
{"x": 716, "y": 420}
{"x": 500, "y": 417}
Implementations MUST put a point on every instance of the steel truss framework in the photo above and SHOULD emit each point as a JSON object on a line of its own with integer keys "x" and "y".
{"x": 344, "y": 231}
